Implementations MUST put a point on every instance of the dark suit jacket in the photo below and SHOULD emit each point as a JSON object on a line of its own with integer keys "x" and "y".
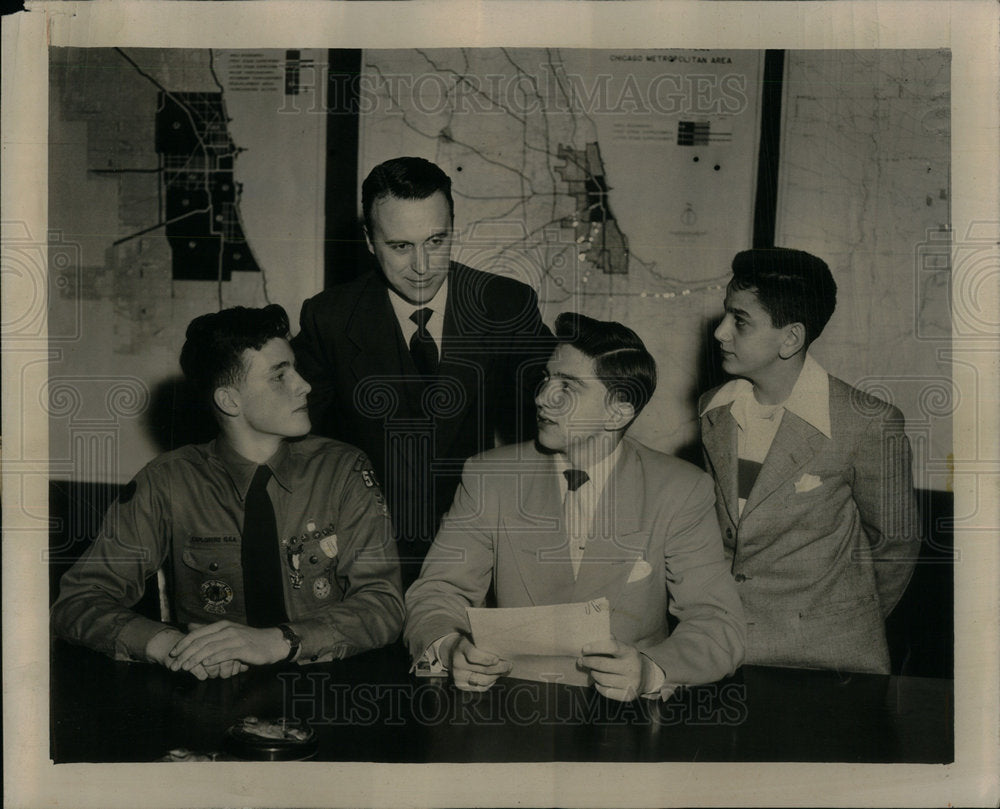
{"x": 828, "y": 536}
{"x": 656, "y": 547}
{"x": 366, "y": 389}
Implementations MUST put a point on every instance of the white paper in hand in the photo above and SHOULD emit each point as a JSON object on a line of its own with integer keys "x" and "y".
{"x": 543, "y": 643}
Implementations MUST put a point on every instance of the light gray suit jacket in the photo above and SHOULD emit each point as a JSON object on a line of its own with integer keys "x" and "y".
{"x": 828, "y": 537}
{"x": 657, "y": 548}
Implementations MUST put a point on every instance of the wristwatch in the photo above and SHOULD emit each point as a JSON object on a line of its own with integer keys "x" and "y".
{"x": 294, "y": 642}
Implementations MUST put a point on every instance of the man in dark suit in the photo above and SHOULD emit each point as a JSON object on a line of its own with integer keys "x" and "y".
{"x": 425, "y": 361}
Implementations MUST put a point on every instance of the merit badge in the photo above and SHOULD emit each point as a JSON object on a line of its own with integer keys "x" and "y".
{"x": 329, "y": 545}
{"x": 293, "y": 555}
{"x": 321, "y": 588}
{"x": 216, "y": 594}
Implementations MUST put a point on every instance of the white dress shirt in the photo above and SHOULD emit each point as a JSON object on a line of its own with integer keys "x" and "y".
{"x": 580, "y": 506}
{"x": 435, "y": 323}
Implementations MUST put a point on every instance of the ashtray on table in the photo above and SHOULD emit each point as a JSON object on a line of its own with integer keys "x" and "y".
{"x": 271, "y": 740}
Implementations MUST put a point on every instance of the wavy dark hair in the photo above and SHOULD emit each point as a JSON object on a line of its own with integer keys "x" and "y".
{"x": 404, "y": 178}
{"x": 621, "y": 360}
{"x": 212, "y": 356}
{"x": 792, "y": 286}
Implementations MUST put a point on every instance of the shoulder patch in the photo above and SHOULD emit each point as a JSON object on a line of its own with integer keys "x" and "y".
{"x": 126, "y": 494}
{"x": 370, "y": 479}
{"x": 368, "y": 476}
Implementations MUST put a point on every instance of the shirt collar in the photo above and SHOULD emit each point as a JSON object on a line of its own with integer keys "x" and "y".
{"x": 403, "y": 308}
{"x": 241, "y": 470}
{"x": 809, "y": 399}
{"x": 597, "y": 472}
{"x": 734, "y": 389}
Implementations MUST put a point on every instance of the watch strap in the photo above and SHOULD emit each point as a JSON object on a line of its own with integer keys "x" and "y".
{"x": 294, "y": 642}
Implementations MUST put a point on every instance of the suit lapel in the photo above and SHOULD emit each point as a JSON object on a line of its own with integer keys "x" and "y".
{"x": 464, "y": 365}
{"x": 794, "y": 446}
{"x": 537, "y": 535}
{"x": 462, "y": 369}
{"x": 719, "y": 437}
{"x": 618, "y": 540}
{"x": 380, "y": 357}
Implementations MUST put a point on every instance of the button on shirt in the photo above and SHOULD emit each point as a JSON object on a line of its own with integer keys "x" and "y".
{"x": 186, "y": 508}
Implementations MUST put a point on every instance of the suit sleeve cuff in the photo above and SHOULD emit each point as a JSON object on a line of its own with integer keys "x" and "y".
{"x": 655, "y": 680}
{"x": 430, "y": 663}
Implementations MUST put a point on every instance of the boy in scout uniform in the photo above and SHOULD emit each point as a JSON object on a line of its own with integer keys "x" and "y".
{"x": 276, "y": 549}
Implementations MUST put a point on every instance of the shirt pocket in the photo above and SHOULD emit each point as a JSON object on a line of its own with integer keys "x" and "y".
{"x": 210, "y": 583}
{"x": 319, "y": 585}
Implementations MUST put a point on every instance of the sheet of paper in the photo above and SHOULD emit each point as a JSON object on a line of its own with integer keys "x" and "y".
{"x": 543, "y": 643}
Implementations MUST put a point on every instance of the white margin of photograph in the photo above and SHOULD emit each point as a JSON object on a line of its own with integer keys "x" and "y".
{"x": 969, "y": 28}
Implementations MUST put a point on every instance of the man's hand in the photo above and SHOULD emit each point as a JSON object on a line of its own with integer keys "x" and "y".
{"x": 158, "y": 651}
{"x": 225, "y": 641}
{"x": 473, "y": 669}
{"x": 159, "y": 646}
{"x": 223, "y": 670}
{"x": 617, "y": 669}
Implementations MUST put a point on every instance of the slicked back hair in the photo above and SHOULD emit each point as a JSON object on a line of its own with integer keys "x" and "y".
{"x": 791, "y": 285}
{"x": 212, "y": 356}
{"x": 621, "y": 360}
{"x": 403, "y": 178}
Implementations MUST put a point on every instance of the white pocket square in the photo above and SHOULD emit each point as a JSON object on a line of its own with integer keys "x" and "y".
{"x": 640, "y": 570}
{"x": 807, "y": 483}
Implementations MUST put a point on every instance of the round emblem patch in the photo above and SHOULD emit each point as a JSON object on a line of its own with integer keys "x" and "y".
{"x": 216, "y": 594}
{"x": 321, "y": 588}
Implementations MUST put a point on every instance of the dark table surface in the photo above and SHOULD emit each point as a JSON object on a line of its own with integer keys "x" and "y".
{"x": 369, "y": 708}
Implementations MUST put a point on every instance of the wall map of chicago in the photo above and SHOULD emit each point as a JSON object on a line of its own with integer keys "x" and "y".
{"x": 201, "y": 196}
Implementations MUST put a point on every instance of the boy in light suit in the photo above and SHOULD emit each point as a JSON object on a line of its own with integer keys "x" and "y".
{"x": 813, "y": 482}
{"x": 585, "y": 514}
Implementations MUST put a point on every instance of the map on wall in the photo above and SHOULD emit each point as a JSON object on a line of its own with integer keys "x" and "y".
{"x": 181, "y": 181}
{"x": 201, "y": 195}
{"x": 865, "y": 183}
{"x": 616, "y": 183}
{"x": 166, "y": 162}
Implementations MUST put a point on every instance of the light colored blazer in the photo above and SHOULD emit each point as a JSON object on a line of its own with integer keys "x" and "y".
{"x": 657, "y": 547}
{"x": 829, "y": 534}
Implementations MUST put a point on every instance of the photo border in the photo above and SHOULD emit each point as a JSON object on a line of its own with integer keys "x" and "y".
{"x": 967, "y": 27}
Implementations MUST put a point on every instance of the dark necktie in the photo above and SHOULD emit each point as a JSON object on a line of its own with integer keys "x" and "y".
{"x": 423, "y": 349}
{"x": 575, "y": 478}
{"x": 263, "y": 590}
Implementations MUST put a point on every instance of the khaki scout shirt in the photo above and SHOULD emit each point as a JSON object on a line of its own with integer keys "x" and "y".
{"x": 185, "y": 510}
